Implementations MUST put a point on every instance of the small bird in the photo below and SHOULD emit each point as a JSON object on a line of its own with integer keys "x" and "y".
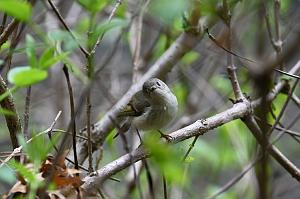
{"x": 152, "y": 108}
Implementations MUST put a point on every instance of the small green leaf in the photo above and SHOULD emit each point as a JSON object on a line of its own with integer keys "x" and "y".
{"x": 181, "y": 92}
{"x": 7, "y": 93}
{"x": 21, "y": 10}
{"x": 75, "y": 70}
{"x": 189, "y": 159}
{"x": 30, "y": 50}
{"x": 83, "y": 25}
{"x": 110, "y": 138}
{"x": 48, "y": 59}
{"x": 93, "y": 5}
{"x": 46, "y": 55}
{"x": 106, "y": 26}
{"x": 26, "y": 76}
{"x": 221, "y": 84}
{"x": 27, "y": 173}
{"x": 160, "y": 46}
{"x": 64, "y": 37}
{"x": 6, "y": 112}
{"x": 190, "y": 57}
{"x": 166, "y": 158}
{"x": 5, "y": 46}
{"x": 167, "y": 11}
{"x": 38, "y": 149}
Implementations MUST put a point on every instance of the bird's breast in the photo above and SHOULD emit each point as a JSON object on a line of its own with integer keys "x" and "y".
{"x": 156, "y": 116}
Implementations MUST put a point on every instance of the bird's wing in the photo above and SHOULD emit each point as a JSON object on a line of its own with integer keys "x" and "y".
{"x": 136, "y": 107}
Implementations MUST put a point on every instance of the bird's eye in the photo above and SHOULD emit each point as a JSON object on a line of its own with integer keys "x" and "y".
{"x": 158, "y": 84}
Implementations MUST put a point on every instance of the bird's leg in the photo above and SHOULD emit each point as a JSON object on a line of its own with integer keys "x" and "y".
{"x": 166, "y": 136}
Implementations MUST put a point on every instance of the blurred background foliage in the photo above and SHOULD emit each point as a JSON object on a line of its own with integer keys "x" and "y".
{"x": 199, "y": 81}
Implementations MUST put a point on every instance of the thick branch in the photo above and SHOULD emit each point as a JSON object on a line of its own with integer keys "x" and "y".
{"x": 12, "y": 121}
{"x": 239, "y": 110}
{"x": 7, "y": 31}
{"x": 184, "y": 43}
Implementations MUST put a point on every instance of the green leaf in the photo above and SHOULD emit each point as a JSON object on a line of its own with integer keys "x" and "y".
{"x": 7, "y": 93}
{"x": 167, "y": 11}
{"x": 110, "y": 138}
{"x": 28, "y": 174}
{"x": 189, "y": 159}
{"x": 93, "y": 5}
{"x": 21, "y": 10}
{"x": 38, "y": 149}
{"x": 5, "y": 46}
{"x": 160, "y": 46}
{"x": 48, "y": 59}
{"x": 26, "y": 76}
{"x": 190, "y": 57}
{"x": 181, "y": 92}
{"x": 6, "y": 112}
{"x": 221, "y": 83}
{"x": 75, "y": 70}
{"x": 83, "y": 25}
{"x": 64, "y": 37}
{"x": 208, "y": 7}
{"x": 30, "y": 50}
{"x": 46, "y": 55}
{"x": 106, "y": 26}
{"x": 277, "y": 105}
{"x": 166, "y": 158}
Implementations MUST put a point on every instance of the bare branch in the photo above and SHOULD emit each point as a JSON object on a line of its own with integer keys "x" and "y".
{"x": 239, "y": 110}
{"x": 184, "y": 43}
{"x": 12, "y": 121}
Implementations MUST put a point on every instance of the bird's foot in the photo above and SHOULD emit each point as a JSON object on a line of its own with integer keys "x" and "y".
{"x": 166, "y": 136}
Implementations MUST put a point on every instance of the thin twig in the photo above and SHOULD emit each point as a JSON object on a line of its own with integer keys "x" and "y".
{"x": 7, "y": 31}
{"x": 72, "y": 115}
{"x": 165, "y": 187}
{"x": 61, "y": 19}
{"x": 239, "y": 110}
{"x": 12, "y": 121}
{"x": 278, "y": 42}
{"x": 190, "y": 148}
{"x": 3, "y": 23}
{"x": 282, "y": 129}
{"x": 126, "y": 148}
{"x": 19, "y": 149}
{"x": 235, "y": 179}
{"x": 296, "y": 100}
{"x": 148, "y": 172}
{"x": 269, "y": 30}
{"x": 231, "y": 69}
{"x": 99, "y": 39}
{"x": 26, "y": 113}
{"x": 283, "y": 107}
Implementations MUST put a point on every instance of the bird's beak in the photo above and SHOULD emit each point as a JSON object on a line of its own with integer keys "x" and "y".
{"x": 152, "y": 88}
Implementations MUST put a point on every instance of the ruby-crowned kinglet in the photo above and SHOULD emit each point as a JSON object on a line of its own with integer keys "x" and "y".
{"x": 152, "y": 108}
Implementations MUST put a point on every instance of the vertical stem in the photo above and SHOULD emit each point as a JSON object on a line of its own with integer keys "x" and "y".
{"x": 90, "y": 72}
{"x": 231, "y": 69}
{"x": 26, "y": 113}
{"x": 278, "y": 41}
{"x": 72, "y": 110}
{"x": 12, "y": 121}
{"x": 165, "y": 187}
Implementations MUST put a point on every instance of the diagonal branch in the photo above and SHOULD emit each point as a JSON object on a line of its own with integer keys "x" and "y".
{"x": 184, "y": 43}
{"x": 61, "y": 19}
{"x": 237, "y": 111}
{"x": 12, "y": 121}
